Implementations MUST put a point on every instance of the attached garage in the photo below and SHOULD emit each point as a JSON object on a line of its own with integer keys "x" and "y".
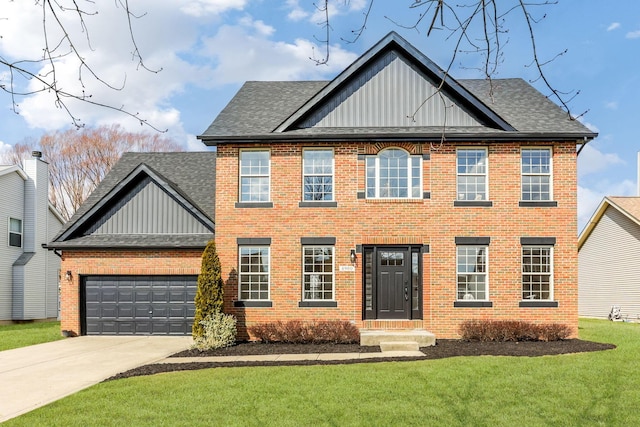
{"x": 138, "y": 305}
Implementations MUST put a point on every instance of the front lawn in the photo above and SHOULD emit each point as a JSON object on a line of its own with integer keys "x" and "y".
{"x": 600, "y": 388}
{"x": 22, "y": 335}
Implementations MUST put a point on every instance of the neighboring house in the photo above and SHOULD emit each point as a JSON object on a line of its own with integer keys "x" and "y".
{"x": 377, "y": 199}
{"x": 28, "y": 272}
{"x": 132, "y": 252}
{"x": 609, "y": 260}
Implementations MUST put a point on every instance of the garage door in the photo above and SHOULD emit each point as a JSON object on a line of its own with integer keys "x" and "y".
{"x": 139, "y": 305}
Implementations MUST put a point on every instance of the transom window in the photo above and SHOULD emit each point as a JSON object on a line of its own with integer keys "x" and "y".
{"x": 317, "y": 170}
{"x": 536, "y": 174}
{"x": 537, "y": 273}
{"x": 472, "y": 174}
{"x": 393, "y": 173}
{"x": 472, "y": 272}
{"x": 318, "y": 273}
{"x": 15, "y": 232}
{"x": 254, "y": 175}
{"x": 254, "y": 273}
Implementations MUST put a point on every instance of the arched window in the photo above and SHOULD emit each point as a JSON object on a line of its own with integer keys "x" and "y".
{"x": 394, "y": 174}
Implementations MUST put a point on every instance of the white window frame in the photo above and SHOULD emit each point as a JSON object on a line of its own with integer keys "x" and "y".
{"x": 242, "y": 274}
{"x": 310, "y": 274}
{"x": 10, "y": 232}
{"x": 470, "y": 296}
{"x": 250, "y": 175}
{"x": 550, "y": 274}
{"x": 376, "y": 177}
{"x": 331, "y": 175}
{"x": 534, "y": 174}
{"x": 461, "y": 196}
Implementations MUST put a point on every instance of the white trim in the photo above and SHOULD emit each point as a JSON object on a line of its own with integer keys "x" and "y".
{"x": 333, "y": 271}
{"x": 240, "y": 175}
{"x": 10, "y": 232}
{"x": 485, "y": 174}
{"x": 13, "y": 168}
{"x": 376, "y": 160}
{"x": 550, "y": 274}
{"x": 550, "y": 174}
{"x": 486, "y": 273}
{"x": 268, "y": 248}
{"x": 333, "y": 173}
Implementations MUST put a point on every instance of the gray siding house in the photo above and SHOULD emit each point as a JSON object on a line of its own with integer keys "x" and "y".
{"x": 28, "y": 272}
{"x": 609, "y": 260}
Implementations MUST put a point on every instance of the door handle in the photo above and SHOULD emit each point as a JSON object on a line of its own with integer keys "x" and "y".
{"x": 406, "y": 293}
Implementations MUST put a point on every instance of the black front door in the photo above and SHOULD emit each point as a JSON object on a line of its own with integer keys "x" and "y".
{"x": 393, "y": 283}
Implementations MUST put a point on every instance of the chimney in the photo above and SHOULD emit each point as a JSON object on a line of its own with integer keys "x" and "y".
{"x": 36, "y": 154}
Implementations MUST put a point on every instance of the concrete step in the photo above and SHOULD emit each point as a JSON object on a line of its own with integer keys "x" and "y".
{"x": 373, "y": 337}
{"x": 399, "y": 346}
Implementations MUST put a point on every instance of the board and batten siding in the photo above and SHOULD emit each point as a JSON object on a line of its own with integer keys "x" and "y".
{"x": 609, "y": 267}
{"x": 372, "y": 100}
{"x": 147, "y": 209}
{"x": 12, "y": 189}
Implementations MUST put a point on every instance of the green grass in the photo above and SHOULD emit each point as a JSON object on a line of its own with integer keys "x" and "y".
{"x": 15, "y": 336}
{"x": 590, "y": 389}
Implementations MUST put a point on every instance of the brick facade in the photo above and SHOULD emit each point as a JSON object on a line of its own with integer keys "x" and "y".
{"x": 431, "y": 221}
{"x": 117, "y": 262}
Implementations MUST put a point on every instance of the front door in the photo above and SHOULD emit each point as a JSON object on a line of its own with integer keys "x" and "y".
{"x": 394, "y": 287}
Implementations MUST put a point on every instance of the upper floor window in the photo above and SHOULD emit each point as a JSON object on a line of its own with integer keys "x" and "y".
{"x": 536, "y": 174}
{"x": 255, "y": 171}
{"x": 393, "y": 173}
{"x": 317, "y": 273}
{"x": 15, "y": 232}
{"x": 472, "y": 272}
{"x": 253, "y": 273}
{"x": 472, "y": 174}
{"x": 537, "y": 272}
{"x": 317, "y": 171}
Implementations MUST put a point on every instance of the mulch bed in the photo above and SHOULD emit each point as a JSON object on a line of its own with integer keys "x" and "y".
{"x": 442, "y": 349}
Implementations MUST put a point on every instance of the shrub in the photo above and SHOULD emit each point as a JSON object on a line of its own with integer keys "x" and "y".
{"x": 219, "y": 330}
{"x": 512, "y": 330}
{"x": 299, "y": 332}
{"x": 209, "y": 295}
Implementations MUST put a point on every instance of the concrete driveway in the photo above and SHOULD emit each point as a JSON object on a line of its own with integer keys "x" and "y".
{"x": 33, "y": 376}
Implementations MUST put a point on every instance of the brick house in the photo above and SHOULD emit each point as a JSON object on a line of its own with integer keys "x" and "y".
{"x": 378, "y": 199}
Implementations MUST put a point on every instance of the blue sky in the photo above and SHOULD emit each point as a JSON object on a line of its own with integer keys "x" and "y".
{"x": 208, "y": 48}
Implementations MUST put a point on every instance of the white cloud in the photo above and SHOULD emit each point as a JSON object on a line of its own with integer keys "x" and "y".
{"x": 4, "y": 147}
{"x": 592, "y": 160}
{"x": 590, "y": 198}
{"x": 297, "y": 13}
{"x": 611, "y": 105}
{"x": 265, "y": 59}
{"x": 613, "y": 26}
{"x": 201, "y": 8}
{"x": 633, "y": 34}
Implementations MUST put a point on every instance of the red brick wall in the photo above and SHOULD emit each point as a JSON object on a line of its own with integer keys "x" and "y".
{"x": 117, "y": 262}
{"x": 434, "y": 221}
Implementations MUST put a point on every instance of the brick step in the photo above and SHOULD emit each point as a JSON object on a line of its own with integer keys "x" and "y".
{"x": 399, "y": 346}
{"x": 373, "y": 337}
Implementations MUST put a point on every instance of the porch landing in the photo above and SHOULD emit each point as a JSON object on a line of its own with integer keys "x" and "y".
{"x": 397, "y": 339}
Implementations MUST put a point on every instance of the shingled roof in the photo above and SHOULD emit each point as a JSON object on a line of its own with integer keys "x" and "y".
{"x": 187, "y": 177}
{"x": 499, "y": 109}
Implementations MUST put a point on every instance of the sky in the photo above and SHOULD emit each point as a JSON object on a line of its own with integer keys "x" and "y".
{"x": 198, "y": 53}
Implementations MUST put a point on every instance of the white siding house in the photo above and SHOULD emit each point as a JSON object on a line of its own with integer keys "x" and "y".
{"x": 28, "y": 271}
{"x": 609, "y": 260}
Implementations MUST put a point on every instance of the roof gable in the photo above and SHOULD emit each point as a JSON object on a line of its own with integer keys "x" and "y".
{"x": 627, "y": 206}
{"x": 393, "y": 85}
{"x": 167, "y": 209}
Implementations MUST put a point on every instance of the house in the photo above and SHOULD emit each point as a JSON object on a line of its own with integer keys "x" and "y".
{"x": 608, "y": 254}
{"x": 396, "y": 197}
{"x": 28, "y": 272}
{"x": 132, "y": 252}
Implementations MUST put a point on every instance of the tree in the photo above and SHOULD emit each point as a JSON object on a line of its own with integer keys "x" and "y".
{"x": 210, "y": 294}
{"x": 80, "y": 158}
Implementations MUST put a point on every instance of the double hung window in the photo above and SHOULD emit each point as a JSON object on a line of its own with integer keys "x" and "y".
{"x": 537, "y": 273}
{"x": 317, "y": 168}
{"x": 15, "y": 232}
{"x": 254, "y": 272}
{"x": 472, "y": 272}
{"x": 255, "y": 170}
{"x": 536, "y": 174}
{"x": 318, "y": 273}
{"x": 471, "y": 165}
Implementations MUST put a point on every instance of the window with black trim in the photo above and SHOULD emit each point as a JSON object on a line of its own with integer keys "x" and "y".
{"x": 318, "y": 273}
{"x": 536, "y": 170}
{"x": 255, "y": 175}
{"x": 394, "y": 174}
{"x": 317, "y": 171}
{"x": 15, "y": 232}
{"x": 537, "y": 273}
{"x": 471, "y": 169}
{"x": 254, "y": 275}
{"x": 472, "y": 273}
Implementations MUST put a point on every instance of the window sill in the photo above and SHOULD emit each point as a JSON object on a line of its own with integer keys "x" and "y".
{"x": 318, "y": 304}
{"x": 473, "y": 203}
{"x": 472, "y": 304}
{"x": 538, "y": 204}
{"x": 395, "y": 200}
{"x": 318, "y": 204}
{"x": 264, "y": 304}
{"x": 254, "y": 205}
{"x": 549, "y": 304}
